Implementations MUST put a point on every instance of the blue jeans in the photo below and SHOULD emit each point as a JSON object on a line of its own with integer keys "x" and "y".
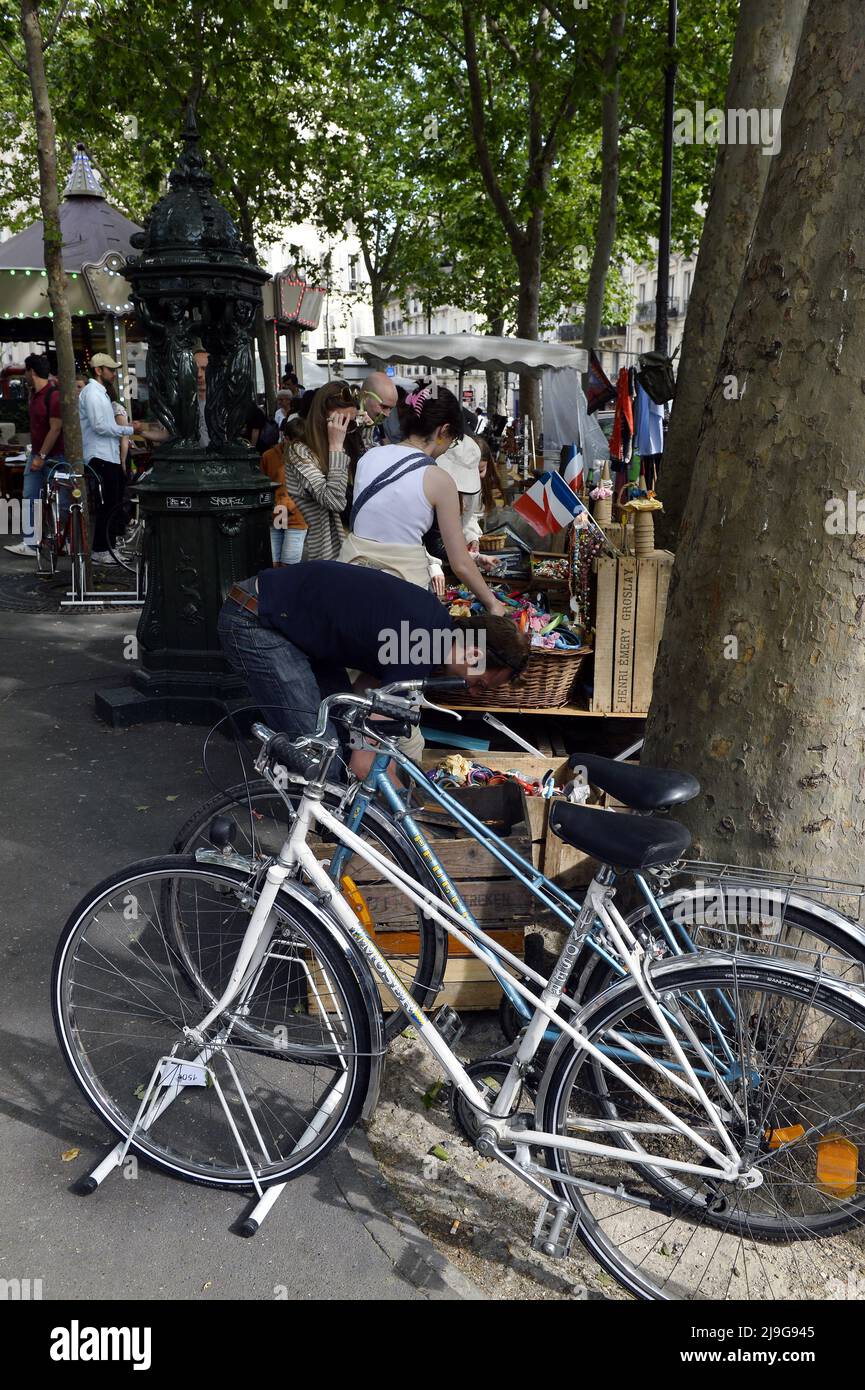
{"x": 33, "y": 491}
{"x": 286, "y": 544}
{"x": 280, "y": 676}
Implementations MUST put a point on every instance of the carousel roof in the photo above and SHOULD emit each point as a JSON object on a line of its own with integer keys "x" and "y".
{"x": 90, "y": 225}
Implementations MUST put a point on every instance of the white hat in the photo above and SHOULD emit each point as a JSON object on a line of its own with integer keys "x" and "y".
{"x": 461, "y": 461}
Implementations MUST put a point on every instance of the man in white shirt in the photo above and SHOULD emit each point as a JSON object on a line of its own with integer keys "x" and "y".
{"x": 100, "y": 438}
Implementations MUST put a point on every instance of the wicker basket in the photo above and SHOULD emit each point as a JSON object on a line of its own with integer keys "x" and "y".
{"x": 494, "y": 541}
{"x": 547, "y": 682}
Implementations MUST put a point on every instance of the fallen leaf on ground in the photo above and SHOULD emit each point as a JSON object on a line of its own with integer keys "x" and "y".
{"x": 69, "y": 1154}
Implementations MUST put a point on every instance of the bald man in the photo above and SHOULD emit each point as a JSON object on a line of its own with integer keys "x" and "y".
{"x": 378, "y": 396}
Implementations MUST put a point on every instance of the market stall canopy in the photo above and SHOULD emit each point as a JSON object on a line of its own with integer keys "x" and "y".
{"x": 464, "y": 351}
{"x": 95, "y": 235}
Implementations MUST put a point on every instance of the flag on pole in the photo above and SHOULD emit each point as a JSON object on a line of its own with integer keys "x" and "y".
{"x": 573, "y": 472}
{"x": 549, "y": 504}
{"x": 532, "y": 505}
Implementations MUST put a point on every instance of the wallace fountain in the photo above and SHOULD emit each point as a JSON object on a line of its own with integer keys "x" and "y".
{"x": 196, "y": 288}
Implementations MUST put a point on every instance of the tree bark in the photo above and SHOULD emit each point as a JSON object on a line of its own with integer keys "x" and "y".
{"x": 529, "y": 263}
{"x": 495, "y": 382}
{"x": 605, "y": 233}
{"x": 764, "y": 52}
{"x": 758, "y": 688}
{"x": 49, "y": 201}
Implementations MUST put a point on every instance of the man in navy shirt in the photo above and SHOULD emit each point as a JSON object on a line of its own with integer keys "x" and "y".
{"x": 294, "y": 633}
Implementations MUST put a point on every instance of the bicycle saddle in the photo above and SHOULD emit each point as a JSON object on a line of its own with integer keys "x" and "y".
{"x": 642, "y": 788}
{"x": 626, "y": 842}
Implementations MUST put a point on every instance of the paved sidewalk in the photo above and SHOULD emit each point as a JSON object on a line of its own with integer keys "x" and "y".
{"x": 78, "y": 801}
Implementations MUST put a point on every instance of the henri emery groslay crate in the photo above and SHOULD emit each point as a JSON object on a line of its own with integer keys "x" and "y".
{"x": 630, "y": 603}
{"x": 501, "y": 905}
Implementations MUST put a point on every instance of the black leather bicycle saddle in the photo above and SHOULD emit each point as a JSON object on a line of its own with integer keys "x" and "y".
{"x": 622, "y": 841}
{"x": 642, "y": 788}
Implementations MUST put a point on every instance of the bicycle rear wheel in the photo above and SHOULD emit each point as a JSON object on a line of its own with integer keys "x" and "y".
{"x": 260, "y": 819}
{"x": 121, "y": 1003}
{"x": 125, "y": 532}
{"x": 786, "y": 1053}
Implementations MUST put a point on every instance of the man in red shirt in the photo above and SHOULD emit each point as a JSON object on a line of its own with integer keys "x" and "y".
{"x": 46, "y": 442}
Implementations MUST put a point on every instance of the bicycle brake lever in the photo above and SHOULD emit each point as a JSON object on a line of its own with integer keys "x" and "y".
{"x": 440, "y": 709}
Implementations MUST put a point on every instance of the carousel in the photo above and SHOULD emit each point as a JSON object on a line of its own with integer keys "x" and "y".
{"x": 96, "y": 243}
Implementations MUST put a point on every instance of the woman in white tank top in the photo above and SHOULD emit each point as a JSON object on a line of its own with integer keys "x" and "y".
{"x": 399, "y": 493}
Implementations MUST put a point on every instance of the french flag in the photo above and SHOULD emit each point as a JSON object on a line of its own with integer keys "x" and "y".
{"x": 573, "y": 472}
{"x": 549, "y": 504}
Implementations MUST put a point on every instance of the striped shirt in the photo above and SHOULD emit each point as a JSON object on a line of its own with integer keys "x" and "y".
{"x": 320, "y": 496}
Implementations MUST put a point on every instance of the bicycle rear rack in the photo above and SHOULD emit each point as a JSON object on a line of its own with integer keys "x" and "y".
{"x": 749, "y": 877}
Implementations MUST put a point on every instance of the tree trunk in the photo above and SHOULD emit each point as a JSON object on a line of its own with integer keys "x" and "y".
{"x": 759, "y": 682}
{"x": 605, "y": 234}
{"x": 764, "y": 52}
{"x": 46, "y": 154}
{"x": 495, "y": 380}
{"x": 377, "y": 315}
{"x": 527, "y": 317}
{"x": 267, "y": 354}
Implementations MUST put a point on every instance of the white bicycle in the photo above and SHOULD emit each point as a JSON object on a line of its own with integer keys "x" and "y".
{"x": 697, "y": 1125}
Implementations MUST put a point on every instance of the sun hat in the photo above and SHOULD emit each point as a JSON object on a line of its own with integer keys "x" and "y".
{"x": 462, "y": 461}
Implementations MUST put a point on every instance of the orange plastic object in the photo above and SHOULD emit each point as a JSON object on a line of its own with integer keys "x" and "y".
{"x": 357, "y": 902}
{"x": 777, "y": 1137}
{"x": 837, "y": 1166}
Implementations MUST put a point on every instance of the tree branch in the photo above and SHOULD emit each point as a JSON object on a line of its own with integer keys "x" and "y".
{"x": 49, "y": 39}
{"x": 22, "y": 67}
{"x": 479, "y": 134}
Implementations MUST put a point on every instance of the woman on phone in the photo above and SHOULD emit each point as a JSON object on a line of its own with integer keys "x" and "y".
{"x": 316, "y": 469}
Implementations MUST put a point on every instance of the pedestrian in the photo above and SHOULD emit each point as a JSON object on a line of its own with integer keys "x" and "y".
{"x": 293, "y": 632}
{"x": 46, "y": 448}
{"x": 378, "y": 399}
{"x": 316, "y": 468}
{"x": 400, "y": 497}
{"x": 101, "y": 436}
{"x": 288, "y": 526}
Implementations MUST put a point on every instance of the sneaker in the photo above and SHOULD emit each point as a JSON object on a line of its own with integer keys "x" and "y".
{"x": 28, "y": 551}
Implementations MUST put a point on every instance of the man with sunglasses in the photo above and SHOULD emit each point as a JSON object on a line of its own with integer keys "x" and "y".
{"x": 378, "y": 398}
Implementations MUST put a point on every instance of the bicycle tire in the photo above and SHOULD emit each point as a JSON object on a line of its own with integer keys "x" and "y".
{"x": 665, "y": 1244}
{"x": 596, "y": 975}
{"x": 124, "y": 534}
{"x": 241, "y": 804}
{"x": 118, "y": 1105}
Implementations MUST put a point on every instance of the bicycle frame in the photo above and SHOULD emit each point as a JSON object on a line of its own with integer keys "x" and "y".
{"x": 553, "y": 898}
{"x": 297, "y": 856}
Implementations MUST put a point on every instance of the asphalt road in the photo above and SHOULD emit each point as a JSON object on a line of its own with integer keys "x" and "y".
{"x": 79, "y": 800}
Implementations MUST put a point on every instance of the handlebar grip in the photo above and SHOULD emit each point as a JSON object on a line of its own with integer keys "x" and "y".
{"x": 395, "y": 711}
{"x": 281, "y": 749}
{"x": 445, "y": 683}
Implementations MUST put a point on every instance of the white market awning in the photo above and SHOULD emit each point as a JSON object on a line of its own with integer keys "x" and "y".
{"x": 464, "y": 351}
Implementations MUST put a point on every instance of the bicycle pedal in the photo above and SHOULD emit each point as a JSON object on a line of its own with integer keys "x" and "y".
{"x": 555, "y": 1230}
{"x": 448, "y": 1025}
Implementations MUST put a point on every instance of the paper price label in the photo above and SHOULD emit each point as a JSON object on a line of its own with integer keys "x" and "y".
{"x": 184, "y": 1074}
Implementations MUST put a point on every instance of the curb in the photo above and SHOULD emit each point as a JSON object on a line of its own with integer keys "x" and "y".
{"x": 412, "y": 1254}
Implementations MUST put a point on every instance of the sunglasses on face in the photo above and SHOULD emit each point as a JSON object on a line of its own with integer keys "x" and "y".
{"x": 373, "y": 395}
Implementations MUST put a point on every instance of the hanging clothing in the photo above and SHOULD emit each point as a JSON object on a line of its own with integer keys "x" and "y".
{"x": 622, "y": 438}
{"x": 649, "y": 436}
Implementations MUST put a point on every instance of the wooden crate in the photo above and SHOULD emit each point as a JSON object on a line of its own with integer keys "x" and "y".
{"x": 630, "y": 604}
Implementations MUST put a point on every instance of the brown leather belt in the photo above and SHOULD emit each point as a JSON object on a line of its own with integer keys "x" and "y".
{"x": 245, "y": 600}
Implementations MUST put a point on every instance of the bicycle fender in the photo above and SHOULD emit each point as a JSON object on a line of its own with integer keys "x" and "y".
{"x": 364, "y": 977}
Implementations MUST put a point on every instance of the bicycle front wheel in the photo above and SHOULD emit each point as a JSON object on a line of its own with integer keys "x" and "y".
{"x": 221, "y": 1112}
{"x": 780, "y": 1053}
{"x": 260, "y": 819}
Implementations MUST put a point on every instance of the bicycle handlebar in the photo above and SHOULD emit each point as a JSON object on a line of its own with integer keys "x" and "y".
{"x": 394, "y": 701}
